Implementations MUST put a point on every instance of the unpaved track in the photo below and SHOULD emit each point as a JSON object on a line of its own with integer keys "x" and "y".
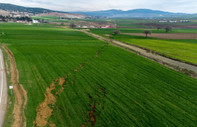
{"x": 174, "y": 64}
{"x": 3, "y": 90}
{"x": 19, "y": 93}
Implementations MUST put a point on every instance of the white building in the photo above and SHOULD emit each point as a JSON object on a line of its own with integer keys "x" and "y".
{"x": 171, "y": 21}
{"x": 163, "y": 21}
{"x": 84, "y": 26}
{"x": 35, "y": 21}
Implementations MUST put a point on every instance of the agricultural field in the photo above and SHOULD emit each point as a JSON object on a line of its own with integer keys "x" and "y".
{"x": 93, "y": 83}
{"x": 140, "y": 30}
{"x": 167, "y": 35}
{"x": 182, "y": 49}
{"x": 185, "y": 50}
{"x": 48, "y": 18}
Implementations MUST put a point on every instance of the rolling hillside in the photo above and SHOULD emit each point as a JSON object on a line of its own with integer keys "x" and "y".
{"x": 7, "y": 9}
{"x": 136, "y": 13}
{"x": 11, "y": 7}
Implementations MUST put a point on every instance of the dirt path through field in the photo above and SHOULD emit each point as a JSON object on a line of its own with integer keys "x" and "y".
{"x": 19, "y": 93}
{"x": 183, "y": 67}
{"x": 167, "y": 35}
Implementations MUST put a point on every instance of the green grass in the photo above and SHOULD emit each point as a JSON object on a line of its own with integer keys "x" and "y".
{"x": 185, "y": 50}
{"x": 46, "y": 17}
{"x": 139, "y": 92}
{"x": 140, "y": 30}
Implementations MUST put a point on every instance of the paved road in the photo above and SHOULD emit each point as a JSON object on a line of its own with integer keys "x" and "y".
{"x": 3, "y": 90}
{"x": 144, "y": 52}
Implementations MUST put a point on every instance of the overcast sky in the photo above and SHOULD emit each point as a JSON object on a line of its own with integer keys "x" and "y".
{"x": 186, "y": 6}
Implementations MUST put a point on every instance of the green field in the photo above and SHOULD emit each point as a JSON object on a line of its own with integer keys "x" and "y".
{"x": 185, "y": 50}
{"x": 49, "y": 18}
{"x": 141, "y": 30}
{"x": 129, "y": 23}
{"x": 127, "y": 89}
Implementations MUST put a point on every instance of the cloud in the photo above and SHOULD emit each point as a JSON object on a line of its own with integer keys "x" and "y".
{"x": 187, "y": 6}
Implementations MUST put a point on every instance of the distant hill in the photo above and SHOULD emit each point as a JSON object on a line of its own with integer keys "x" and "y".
{"x": 7, "y": 9}
{"x": 11, "y": 7}
{"x": 136, "y": 13}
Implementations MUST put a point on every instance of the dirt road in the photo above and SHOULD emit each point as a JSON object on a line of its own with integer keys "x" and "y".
{"x": 19, "y": 93}
{"x": 3, "y": 90}
{"x": 174, "y": 64}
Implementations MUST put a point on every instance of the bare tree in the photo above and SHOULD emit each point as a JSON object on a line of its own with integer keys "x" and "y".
{"x": 146, "y": 32}
{"x": 168, "y": 28}
{"x": 72, "y": 25}
{"x": 116, "y": 32}
{"x": 158, "y": 28}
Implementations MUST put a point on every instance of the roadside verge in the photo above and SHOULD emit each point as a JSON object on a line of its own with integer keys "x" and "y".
{"x": 19, "y": 92}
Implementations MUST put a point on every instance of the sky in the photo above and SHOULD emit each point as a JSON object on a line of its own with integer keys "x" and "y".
{"x": 185, "y": 6}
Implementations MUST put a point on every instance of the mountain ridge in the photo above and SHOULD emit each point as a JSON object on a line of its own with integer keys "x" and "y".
{"x": 16, "y": 10}
{"x": 34, "y": 10}
{"x": 113, "y": 13}
{"x": 135, "y": 13}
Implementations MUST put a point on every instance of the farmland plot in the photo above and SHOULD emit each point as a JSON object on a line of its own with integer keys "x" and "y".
{"x": 96, "y": 84}
{"x": 185, "y": 50}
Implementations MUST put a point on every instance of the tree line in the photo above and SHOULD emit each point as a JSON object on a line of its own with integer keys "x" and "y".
{"x": 9, "y": 18}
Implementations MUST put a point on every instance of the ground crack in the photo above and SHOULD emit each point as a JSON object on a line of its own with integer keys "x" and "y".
{"x": 45, "y": 109}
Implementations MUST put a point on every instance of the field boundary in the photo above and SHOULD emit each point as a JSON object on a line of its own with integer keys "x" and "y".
{"x": 19, "y": 92}
{"x": 178, "y": 65}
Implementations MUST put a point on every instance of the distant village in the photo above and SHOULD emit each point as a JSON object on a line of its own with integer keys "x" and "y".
{"x": 80, "y": 24}
{"x": 84, "y": 24}
{"x": 27, "y": 20}
{"x": 174, "y": 21}
{"x": 18, "y": 17}
{"x": 26, "y": 17}
{"x": 23, "y": 17}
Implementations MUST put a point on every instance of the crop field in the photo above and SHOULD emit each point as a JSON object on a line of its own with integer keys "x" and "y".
{"x": 49, "y": 18}
{"x": 141, "y": 30}
{"x": 182, "y": 49}
{"x": 167, "y": 35}
{"x": 185, "y": 50}
{"x": 96, "y": 84}
{"x": 151, "y": 23}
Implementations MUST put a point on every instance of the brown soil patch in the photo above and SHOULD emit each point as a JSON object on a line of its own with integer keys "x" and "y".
{"x": 174, "y": 25}
{"x": 19, "y": 93}
{"x": 108, "y": 35}
{"x": 44, "y": 111}
{"x": 168, "y": 35}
